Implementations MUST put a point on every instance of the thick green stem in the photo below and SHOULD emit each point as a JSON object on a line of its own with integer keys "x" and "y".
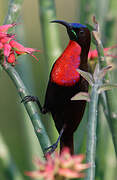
{"x": 7, "y": 165}
{"x": 91, "y": 136}
{"x": 30, "y": 107}
{"x": 51, "y": 42}
{"x": 109, "y": 100}
{"x": 50, "y": 33}
{"x": 87, "y": 8}
{"x": 14, "y": 8}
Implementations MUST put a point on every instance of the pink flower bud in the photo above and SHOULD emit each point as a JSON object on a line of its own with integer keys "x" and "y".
{"x": 11, "y": 59}
{"x": 4, "y": 28}
{"x": 5, "y": 40}
{"x": 7, "y": 49}
{"x": 2, "y": 35}
{"x": 1, "y": 45}
{"x": 92, "y": 54}
{"x": 17, "y": 47}
{"x": 20, "y": 49}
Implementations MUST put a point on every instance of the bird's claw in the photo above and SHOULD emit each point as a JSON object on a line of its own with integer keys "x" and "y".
{"x": 29, "y": 98}
{"x": 51, "y": 148}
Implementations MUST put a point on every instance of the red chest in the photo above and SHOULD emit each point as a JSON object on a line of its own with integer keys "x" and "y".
{"x": 64, "y": 71}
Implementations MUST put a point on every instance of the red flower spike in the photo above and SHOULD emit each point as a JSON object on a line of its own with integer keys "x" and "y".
{"x": 6, "y": 27}
{"x": 11, "y": 48}
{"x": 59, "y": 167}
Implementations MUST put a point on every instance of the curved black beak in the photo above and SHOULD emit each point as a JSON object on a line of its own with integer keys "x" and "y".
{"x": 67, "y": 25}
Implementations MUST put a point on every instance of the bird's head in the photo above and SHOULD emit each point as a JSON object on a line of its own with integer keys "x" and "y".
{"x": 77, "y": 32}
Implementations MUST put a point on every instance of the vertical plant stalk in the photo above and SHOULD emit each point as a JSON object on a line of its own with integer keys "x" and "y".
{"x": 108, "y": 97}
{"x": 50, "y": 33}
{"x": 91, "y": 134}
{"x": 14, "y": 9}
{"x": 6, "y": 163}
{"x": 87, "y": 8}
{"x": 30, "y": 107}
{"x": 51, "y": 42}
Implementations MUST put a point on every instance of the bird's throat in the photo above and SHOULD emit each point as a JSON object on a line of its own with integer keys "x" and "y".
{"x": 64, "y": 71}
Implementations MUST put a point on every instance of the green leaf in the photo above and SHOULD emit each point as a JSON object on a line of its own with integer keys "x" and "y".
{"x": 81, "y": 96}
{"x": 96, "y": 72}
{"x": 105, "y": 87}
{"x": 99, "y": 74}
{"x": 87, "y": 76}
{"x": 103, "y": 71}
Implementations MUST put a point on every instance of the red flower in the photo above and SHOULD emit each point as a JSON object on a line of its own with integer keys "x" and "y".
{"x": 94, "y": 54}
{"x": 10, "y": 48}
{"x": 20, "y": 49}
{"x": 59, "y": 167}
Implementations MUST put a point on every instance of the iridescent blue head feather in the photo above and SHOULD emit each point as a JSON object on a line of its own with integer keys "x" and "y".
{"x": 77, "y": 25}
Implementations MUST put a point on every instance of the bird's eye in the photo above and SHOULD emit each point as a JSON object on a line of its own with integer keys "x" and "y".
{"x": 81, "y": 32}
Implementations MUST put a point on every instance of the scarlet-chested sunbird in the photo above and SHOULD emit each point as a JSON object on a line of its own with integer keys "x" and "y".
{"x": 64, "y": 82}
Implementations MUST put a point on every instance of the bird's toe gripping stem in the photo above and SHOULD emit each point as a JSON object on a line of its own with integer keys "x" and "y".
{"x": 34, "y": 99}
{"x": 29, "y": 98}
{"x": 54, "y": 146}
{"x": 51, "y": 149}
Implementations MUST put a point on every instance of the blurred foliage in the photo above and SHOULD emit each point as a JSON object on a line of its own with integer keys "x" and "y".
{"x": 13, "y": 123}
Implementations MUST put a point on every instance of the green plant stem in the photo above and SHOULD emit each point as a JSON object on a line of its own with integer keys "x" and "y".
{"x": 87, "y": 8}
{"x": 51, "y": 43}
{"x": 109, "y": 101}
{"x": 14, "y": 9}
{"x": 6, "y": 163}
{"x": 91, "y": 135}
{"x": 30, "y": 107}
{"x": 50, "y": 33}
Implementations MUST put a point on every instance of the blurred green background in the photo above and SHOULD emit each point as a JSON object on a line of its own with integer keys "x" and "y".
{"x": 15, "y": 125}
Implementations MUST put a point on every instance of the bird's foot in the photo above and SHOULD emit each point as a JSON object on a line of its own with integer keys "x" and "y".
{"x": 29, "y": 98}
{"x": 51, "y": 149}
{"x": 33, "y": 99}
{"x": 54, "y": 146}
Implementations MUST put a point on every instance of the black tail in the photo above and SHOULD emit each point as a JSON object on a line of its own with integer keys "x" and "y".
{"x": 67, "y": 142}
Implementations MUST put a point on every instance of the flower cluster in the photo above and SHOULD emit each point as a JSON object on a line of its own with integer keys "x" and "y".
{"x": 10, "y": 48}
{"x": 60, "y": 166}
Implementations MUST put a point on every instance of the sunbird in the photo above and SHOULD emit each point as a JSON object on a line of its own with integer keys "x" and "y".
{"x": 64, "y": 82}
